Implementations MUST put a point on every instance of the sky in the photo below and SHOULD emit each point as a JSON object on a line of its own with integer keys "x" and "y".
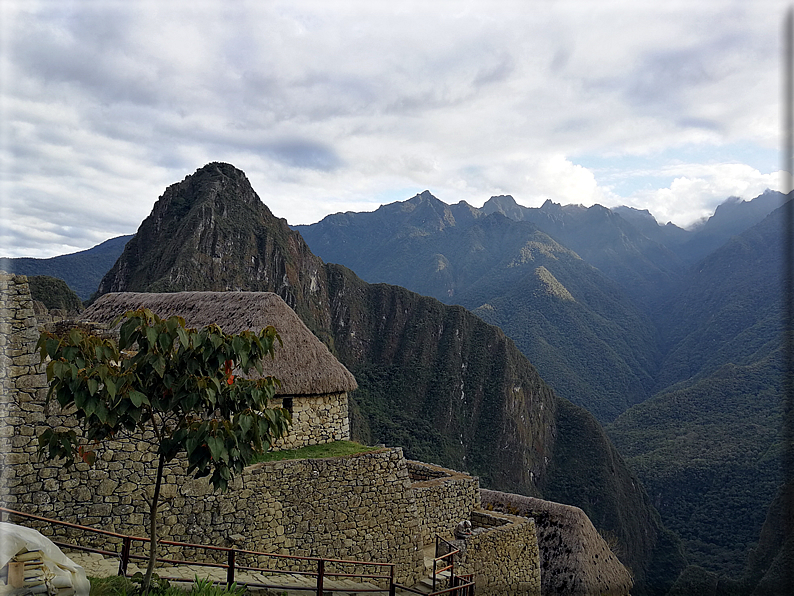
{"x": 343, "y": 106}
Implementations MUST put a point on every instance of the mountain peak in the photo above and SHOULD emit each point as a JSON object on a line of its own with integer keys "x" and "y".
{"x": 506, "y": 205}
{"x": 209, "y": 231}
{"x": 505, "y": 200}
{"x": 423, "y": 197}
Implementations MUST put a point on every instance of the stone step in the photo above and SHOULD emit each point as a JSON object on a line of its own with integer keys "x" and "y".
{"x": 442, "y": 581}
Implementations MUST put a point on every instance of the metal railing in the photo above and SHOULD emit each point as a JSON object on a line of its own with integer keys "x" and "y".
{"x": 126, "y": 556}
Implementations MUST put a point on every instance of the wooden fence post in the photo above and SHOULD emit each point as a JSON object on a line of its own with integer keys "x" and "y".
{"x": 320, "y": 574}
{"x": 125, "y": 556}
{"x": 230, "y": 568}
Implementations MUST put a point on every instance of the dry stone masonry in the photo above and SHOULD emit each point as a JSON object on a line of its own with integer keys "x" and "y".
{"x": 505, "y": 555}
{"x": 502, "y": 551}
{"x": 316, "y": 419}
{"x": 443, "y": 498}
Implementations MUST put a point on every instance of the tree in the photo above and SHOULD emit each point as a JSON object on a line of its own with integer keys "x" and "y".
{"x": 176, "y": 382}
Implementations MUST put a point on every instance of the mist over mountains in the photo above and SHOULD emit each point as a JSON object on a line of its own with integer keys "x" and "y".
{"x": 667, "y": 336}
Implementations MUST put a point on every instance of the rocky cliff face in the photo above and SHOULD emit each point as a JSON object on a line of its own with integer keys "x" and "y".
{"x": 433, "y": 378}
{"x": 212, "y": 232}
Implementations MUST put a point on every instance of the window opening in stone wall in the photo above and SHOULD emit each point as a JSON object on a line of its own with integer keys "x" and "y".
{"x": 287, "y": 405}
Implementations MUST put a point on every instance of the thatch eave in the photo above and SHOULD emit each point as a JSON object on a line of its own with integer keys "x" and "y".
{"x": 303, "y": 364}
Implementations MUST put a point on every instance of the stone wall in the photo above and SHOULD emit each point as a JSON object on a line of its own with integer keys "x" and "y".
{"x": 21, "y": 382}
{"x": 375, "y": 506}
{"x": 574, "y": 557}
{"x": 359, "y": 507}
{"x": 443, "y": 498}
{"x": 316, "y": 419}
{"x": 502, "y": 553}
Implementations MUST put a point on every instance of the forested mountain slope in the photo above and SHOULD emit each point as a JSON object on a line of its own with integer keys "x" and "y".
{"x": 728, "y": 308}
{"x": 708, "y": 445}
{"x": 82, "y": 271}
{"x": 643, "y": 267}
{"x": 587, "y": 339}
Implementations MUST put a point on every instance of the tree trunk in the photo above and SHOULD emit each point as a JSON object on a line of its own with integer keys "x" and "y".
{"x": 147, "y": 579}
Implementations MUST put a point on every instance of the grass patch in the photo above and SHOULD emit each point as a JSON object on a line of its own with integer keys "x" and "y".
{"x": 111, "y": 586}
{"x": 124, "y": 586}
{"x": 335, "y": 449}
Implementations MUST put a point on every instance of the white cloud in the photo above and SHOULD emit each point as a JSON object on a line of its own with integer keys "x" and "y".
{"x": 333, "y": 106}
{"x": 696, "y": 190}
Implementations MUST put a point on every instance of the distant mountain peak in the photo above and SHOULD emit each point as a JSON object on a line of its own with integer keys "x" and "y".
{"x": 422, "y": 197}
{"x": 735, "y": 215}
{"x": 624, "y": 210}
{"x": 503, "y": 200}
{"x": 506, "y": 205}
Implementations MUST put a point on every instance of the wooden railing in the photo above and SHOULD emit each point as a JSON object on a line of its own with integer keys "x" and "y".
{"x": 231, "y": 565}
{"x": 458, "y": 585}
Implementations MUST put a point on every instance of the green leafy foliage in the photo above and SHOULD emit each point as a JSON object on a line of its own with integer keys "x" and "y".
{"x": 115, "y": 585}
{"x": 175, "y": 381}
{"x": 131, "y": 586}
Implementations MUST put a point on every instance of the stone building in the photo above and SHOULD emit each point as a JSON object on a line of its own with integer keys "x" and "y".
{"x": 314, "y": 384}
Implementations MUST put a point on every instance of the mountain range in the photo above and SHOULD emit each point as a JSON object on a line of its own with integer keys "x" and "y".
{"x": 82, "y": 270}
{"x": 667, "y": 336}
{"x": 433, "y": 378}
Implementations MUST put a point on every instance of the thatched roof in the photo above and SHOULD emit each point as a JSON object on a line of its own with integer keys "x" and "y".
{"x": 574, "y": 558}
{"x": 303, "y": 364}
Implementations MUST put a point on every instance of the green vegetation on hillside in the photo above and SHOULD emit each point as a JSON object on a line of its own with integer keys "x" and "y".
{"x": 82, "y": 270}
{"x": 709, "y": 454}
{"x": 707, "y": 446}
{"x": 587, "y": 462}
{"x": 54, "y": 293}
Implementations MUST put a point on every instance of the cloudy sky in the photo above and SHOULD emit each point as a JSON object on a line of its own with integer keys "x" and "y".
{"x": 335, "y": 106}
